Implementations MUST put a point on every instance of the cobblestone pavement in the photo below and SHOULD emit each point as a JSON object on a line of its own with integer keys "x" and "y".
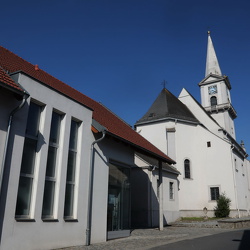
{"x": 149, "y": 238}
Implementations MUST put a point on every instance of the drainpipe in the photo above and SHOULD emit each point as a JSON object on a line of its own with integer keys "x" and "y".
{"x": 160, "y": 197}
{"x": 90, "y": 195}
{"x": 25, "y": 96}
{"x": 151, "y": 201}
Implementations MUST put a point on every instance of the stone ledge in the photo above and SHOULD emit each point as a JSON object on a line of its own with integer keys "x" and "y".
{"x": 234, "y": 223}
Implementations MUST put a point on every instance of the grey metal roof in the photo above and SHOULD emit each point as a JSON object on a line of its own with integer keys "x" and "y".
{"x": 167, "y": 105}
{"x": 153, "y": 162}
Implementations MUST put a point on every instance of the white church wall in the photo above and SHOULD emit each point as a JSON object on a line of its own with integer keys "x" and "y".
{"x": 241, "y": 183}
{"x": 148, "y": 131}
{"x": 208, "y": 168}
{"x": 199, "y": 113}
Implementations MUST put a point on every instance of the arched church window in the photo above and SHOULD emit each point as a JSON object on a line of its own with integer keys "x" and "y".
{"x": 187, "y": 173}
{"x": 213, "y": 101}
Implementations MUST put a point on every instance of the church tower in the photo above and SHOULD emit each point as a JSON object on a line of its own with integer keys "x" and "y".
{"x": 215, "y": 92}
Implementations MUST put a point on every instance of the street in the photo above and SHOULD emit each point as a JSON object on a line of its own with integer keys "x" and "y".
{"x": 232, "y": 240}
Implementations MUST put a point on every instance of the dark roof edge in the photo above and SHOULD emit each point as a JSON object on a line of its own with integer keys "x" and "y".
{"x": 235, "y": 145}
{"x": 15, "y": 90}
{"x": 166, "y": 167}
{"x": 165, "y": 119}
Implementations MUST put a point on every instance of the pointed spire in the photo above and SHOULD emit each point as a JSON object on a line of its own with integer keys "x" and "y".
{"x": 212, "y": 64}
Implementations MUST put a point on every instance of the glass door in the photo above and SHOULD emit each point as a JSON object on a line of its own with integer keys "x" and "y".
{"x": 118, "y": 216}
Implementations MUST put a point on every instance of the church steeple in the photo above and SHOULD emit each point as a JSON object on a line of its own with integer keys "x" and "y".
{"x": 215, "y": 92}
{"x": 212, "y": 64}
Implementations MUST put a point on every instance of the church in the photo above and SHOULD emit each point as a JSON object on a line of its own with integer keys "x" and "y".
{"x": 201, "y": 138}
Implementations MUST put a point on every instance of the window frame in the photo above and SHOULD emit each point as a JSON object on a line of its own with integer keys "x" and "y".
{"x": 34, "y": 138}
{"x": 73, "y": 181}
{"x": 171, "y": 191}
{"x": 189, "y": 170}
{"x": 210, "y": 193}
{"x": 213, "y": 101}
{"x": 52, "y": 180}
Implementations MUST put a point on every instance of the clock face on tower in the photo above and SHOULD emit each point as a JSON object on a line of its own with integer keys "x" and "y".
{"x": 212, "y": 90}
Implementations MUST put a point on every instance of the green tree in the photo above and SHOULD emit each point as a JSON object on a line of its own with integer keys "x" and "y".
{"x": 223, "y": 206}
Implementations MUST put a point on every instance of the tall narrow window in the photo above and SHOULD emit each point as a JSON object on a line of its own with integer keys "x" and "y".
{"x": 213, "y": 101}
{"x": 71, "y": 168}
{"x": 215, "y": 193}
{"x": 50, "y": 178}
{"x": 171, "y": 190}
{"x": 28, "y": 162}
{"x": 187, "y": 173}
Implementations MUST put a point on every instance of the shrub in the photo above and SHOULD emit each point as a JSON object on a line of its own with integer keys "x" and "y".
{"x": 223, "y": 206}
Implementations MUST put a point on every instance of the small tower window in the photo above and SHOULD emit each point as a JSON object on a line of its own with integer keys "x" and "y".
{"x": 213, "y": 101}
{"x": 187, "y": 174}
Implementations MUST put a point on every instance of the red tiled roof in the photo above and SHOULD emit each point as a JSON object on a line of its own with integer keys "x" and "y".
{"x": 116, "y": 127}
{"x": 6, "y": 80}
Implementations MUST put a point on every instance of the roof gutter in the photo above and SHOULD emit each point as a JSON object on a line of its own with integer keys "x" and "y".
{"x": 90, "y": 194}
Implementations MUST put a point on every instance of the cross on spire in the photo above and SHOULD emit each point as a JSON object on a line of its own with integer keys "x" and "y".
{"x": 164, "y": 83}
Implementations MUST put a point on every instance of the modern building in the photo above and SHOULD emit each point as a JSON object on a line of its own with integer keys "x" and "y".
{"x": 201, "y": 138}
{"x": 67, "y": 164}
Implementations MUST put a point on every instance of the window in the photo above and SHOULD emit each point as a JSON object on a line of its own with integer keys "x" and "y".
{"x": 243, "y": 172}
{"x": 213, "y": 101}
{"x": 28, "y": 161}
{"x": 187, "y": 173}
{"x": 71, "y": 168}
{"x": 208, "y": 144}
{"x": 50, "y": 178}
{"x": 215, "y": 193}
{"x": 171, "y": 190}
{"x": 235, "y": 165}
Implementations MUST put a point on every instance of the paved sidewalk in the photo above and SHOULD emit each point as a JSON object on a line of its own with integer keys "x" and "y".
{"x": 149, "y": 238}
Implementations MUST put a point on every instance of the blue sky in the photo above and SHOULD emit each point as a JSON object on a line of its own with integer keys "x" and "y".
{"x": 118, "y": 52}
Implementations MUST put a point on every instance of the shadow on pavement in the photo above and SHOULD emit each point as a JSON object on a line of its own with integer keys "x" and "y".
{"x": 245, "y": 241}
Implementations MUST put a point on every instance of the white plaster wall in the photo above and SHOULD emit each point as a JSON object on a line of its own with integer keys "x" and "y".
{"x": 106, "y": 150}
{"x": 242, "y": 183}
{"x": 210, "y": 166}
{"x": 39, "y": 234}
{"x": 149, "y": 132}
{"x": 7, "y": 104}
{"x": 170, "y": 207}
{"x": 199, "y": 113}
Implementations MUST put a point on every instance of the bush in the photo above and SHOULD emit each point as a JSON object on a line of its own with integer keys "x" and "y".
{"x": 223, "y": 206}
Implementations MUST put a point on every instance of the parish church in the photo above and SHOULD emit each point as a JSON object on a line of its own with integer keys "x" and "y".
{"x": 201, "y": 138}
